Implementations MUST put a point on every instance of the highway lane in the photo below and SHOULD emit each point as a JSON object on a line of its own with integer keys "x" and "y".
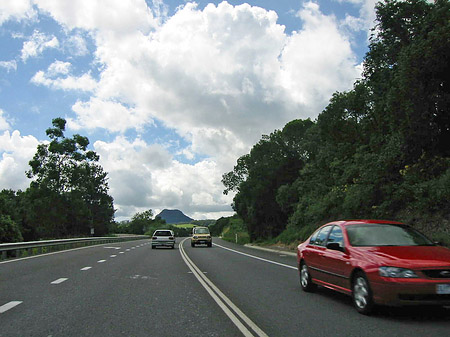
{"x": 143, "y": 292}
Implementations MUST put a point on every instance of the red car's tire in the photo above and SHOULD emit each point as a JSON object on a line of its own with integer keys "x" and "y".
{"x": 305, "y": 278}
{"x": 362, "y": 294}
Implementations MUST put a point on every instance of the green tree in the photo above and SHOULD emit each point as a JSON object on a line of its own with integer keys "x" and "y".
{"x": 141, "y": 222}
{"x": 14, "y": 205}
{"x": 69, "y": 192}
{"x": 9, "y": 230}
{"x": 272, "y": 163}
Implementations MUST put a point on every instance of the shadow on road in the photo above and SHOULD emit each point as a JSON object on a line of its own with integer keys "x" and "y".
{"x": 420, "y": 313}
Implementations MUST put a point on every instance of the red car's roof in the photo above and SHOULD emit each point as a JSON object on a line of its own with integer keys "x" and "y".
{"x": 368, "y": 221}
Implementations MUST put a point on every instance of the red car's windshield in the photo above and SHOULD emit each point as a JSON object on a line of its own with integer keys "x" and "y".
{"x": 385, "y": 235}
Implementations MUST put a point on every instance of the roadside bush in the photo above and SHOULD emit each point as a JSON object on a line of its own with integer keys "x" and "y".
{"x": 236, "y": 229}
{"x": 9, "y": 231}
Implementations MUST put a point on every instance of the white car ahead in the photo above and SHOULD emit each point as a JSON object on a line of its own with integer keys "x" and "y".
{"x": 163, "y": 237}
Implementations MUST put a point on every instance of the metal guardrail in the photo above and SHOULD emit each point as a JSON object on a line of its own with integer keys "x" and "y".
{"x": 23, "y": 249}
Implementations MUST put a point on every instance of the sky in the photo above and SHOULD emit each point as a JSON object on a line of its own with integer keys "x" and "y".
{"x": 170, "y": 93}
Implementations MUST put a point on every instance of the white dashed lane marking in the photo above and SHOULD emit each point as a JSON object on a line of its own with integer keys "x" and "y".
{"x": 60, "y": 280}
{"x": 8, "y": 306}
{"x": 86, "y": 268}
{"x": 101, "y": 261}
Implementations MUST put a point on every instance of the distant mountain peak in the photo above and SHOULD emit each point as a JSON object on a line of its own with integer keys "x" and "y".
{"x": 174, "y": 216}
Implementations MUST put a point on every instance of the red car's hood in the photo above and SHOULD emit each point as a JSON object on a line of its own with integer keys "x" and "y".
{"x": 408, "y": 256}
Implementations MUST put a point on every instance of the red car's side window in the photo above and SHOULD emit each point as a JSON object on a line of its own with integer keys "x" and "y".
{"x": 312, "y": 241}
{"x": 322, "y": 236}
{"x": 336, "y": 236}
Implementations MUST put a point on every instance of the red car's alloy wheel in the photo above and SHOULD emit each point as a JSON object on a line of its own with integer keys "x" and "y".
{"x": 305, "y": 278}
{"x": 362, "y": 294}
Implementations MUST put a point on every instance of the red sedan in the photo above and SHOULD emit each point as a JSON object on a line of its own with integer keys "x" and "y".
{"x": 376, "y": 262}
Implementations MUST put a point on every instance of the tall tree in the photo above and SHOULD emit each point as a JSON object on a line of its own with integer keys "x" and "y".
{"x": 141, "y": 222}
{"x": 69, "y": 192}
{"x": 407, "y": 70}
{"x": 272, "y": 163}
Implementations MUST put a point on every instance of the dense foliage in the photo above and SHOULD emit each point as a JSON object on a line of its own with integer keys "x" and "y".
{"x": 380, "y": 150}
{"x": 230, "y": 229}
{"x": 68, "y": 194}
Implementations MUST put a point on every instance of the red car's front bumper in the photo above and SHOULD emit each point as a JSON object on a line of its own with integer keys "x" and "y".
{"x": 417, "y": 291}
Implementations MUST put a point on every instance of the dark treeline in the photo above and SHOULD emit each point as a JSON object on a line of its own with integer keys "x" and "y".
{"x": 67, "y": 197}
{"x": 381, "y": 150}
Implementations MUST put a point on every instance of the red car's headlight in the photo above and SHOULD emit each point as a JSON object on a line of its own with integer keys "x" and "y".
{"x": 397, "y": 272}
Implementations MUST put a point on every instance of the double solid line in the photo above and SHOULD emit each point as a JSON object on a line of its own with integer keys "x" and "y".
{"x": 242, "y": 322}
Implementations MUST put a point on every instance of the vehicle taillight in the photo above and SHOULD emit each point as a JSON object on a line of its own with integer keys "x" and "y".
{"x": 171, "y": 238}
{"x": 154, "y": 238}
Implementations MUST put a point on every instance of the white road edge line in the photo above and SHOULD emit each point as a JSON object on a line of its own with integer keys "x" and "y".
{"x": 8, "y": 306}
{"x": 215, "y": 293}
{"x": 60, "y": 280}
{"x": 256, "y": 257}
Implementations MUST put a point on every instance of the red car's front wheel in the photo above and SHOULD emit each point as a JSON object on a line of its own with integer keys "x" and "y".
{"x": 362, "y": 294}
{"x": 305, "y": 278}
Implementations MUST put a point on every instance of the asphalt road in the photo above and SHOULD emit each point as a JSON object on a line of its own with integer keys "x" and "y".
{"x": 227, "y": 290}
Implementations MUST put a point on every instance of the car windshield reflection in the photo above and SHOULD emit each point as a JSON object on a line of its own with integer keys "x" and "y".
{"x": 368, "y": 235}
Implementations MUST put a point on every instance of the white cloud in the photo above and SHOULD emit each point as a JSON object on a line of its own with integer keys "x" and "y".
{"x": 317, "y": 60}
{"x": 83, "y": 83}
{"x": 54, "y": 80}
{"x": 16, "y": 152}
{"x": 76, "y": 45}
{"x": 59, "y": 67}
{"x": 222, "y": 66}
{"x": 366, "y": 19}
{"x": 105, "y": 15}
{"x": 9, "y": 65}
{"x": 36, "y": 44}
{"x": 143, "y": 176}
{"x": 16, "y": 9}
{"x": 213, "y": 70}
{"x": 4, "y": 125}
{"x": 110, "y": 115}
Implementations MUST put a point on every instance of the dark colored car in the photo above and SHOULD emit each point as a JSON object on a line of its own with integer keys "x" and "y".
{"x": 376, "y": 262}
